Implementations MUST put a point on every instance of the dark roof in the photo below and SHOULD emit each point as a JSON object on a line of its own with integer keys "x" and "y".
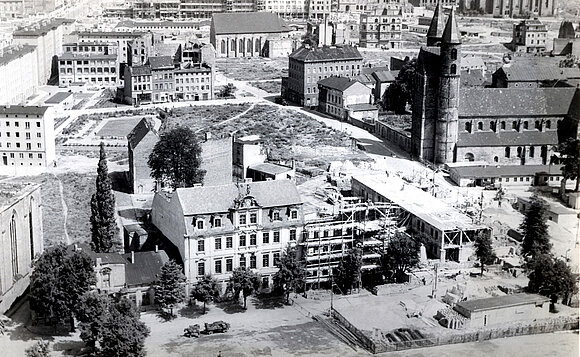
{"x": 140, "y": 70}
{"x": 139, "y": 131}
{"x": 325, "y": 53}
{"x": 40, "y": 28}
{"x": 504, "y": 102}
{"x": 472, "y": 78}
{"x": 106, "y": 258}
{"x": 362, "y": 107}
{"x": 429, "y": 59}
{"x": 365, "y": 79}
{"x": 12, "y": 53}
{"x": 20, "y": 109}
{"x": 160, "y": 62}
{"x": 212, "y": 199}
{"x": 526, "y": 73}
{"x": 503, "y": 138}
{"x": 385, "y": 76}
{"x": 58, "y": 97}
{"x": 437, "y": 23}
{"x": 491, "y": 171}
{"x": 451, "y": 33}
{"x": 248, "y": 22}
{"x": 111, "y": 34}
{"x": 270, "y": 168}
{"x": 145, "y": 268}
{"x": 499, "y": 302}
{"x": 371, "y": 70}
{"x": 338, "y": 83}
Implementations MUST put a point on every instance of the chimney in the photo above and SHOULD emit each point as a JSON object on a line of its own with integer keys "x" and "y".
{"x": 207, "y": 136}
{"x": 75, "y": 246}
{"x": 132, "y": 257}
{"x": 156, "y": 248}
{"x": 99, "y": 261}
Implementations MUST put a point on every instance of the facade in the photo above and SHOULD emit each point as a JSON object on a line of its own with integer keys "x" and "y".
{"x": 532, "y": 76}
{"x": 321, "y": 9}
{"x": 194, "y": 82}
{"x": 287, "y": 8}
{"x": 510, "y": 175}
{"x": 220, "y": 228}
{"x": 183, "y": 9}
{"x": 383, "y": 79}
{"x": 307, "y": 66}
{"x": 17, "y": 84}
{"x": 337, "y": 94}
{"x": 20, "y": 239}
{"x": 140, "y": 144}
{"x": 163, "y": 81}
{"x": 251, "y": 34}
{"x": 506, "y": 8}
{"x": 248, "y": 151}
{"x": 138, "y": 85}
{"x": 91, "y": 68}
{"x": 382, "y": 31}
{"x": 26, "y": 139}
{"x": 529, "y": 36}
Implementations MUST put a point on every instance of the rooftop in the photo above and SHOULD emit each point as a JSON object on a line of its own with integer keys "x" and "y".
{"x": 417, "y": 202}
{"x": 269, "y": 168}
{"x": 58, "y": 98}
{"x": 139, "y": 131}
{"x": 490, "y": 138}
{"x": 12, "y": 53}
{"x": 145, "y": 268}
{"x": 10, "y": 193}
{"x": 362, "y": 107}
{"x": 525, "y": 72}
{"x": 160, "y": 62}
{"x": 40, "y": 28}
{"x": 111, "y": 34}
{"x": 326, "y": 53}
{"x": 338, "y": 83}
{"x": 22, "y": 110}
{"x": 248, "y": 22}
{"x": 498, "y": 302}
{"x": 492, "y": 171}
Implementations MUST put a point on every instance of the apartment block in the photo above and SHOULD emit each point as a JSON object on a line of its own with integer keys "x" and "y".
{"x": 18, "y": 84}
{"x": 91, "y": 68}
{"x": 382, "y": 31}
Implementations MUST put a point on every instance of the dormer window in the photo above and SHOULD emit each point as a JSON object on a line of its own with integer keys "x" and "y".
{"x": 294, "y": 214}
{"x": 275, "y": 216}
{"x": 217, "y": 222}
{"x": 199, "y": 224}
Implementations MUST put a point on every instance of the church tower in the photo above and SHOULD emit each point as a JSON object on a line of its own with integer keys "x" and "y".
{"x": 446, "y": 126}
{"x": 436, "y": 27}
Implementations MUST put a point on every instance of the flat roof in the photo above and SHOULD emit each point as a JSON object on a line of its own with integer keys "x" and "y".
{"x": 270, "y": 168}
{"x": 418, "y": 202}
{"x": 85, "y": 56}
{"x": 492, "y": 171}
{"x": 58, "y": 98}
{"x": 499, "y": 302}
{"x": 21, "y": 109}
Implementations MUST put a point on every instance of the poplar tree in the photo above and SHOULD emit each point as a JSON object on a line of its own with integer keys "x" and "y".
{"x": 103, "y": 224}
{"x": 534, "y": 228}
{"x": 484, "y": 250}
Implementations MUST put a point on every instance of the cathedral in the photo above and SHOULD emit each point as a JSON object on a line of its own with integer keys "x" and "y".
{"x": 500, "y": 126}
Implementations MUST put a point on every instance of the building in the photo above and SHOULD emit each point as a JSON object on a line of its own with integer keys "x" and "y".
{"x": 268, "y": 171}
{"x": 297, "y": 9}
{"x": 26, "y": 139}
{"x": 506, "y": 8}
{"x": 194, "y": 82}
{"x": 19, "y": 75}
{"x": 182, "y": 9}
{"x": 307, "y": 66}
{"x": 163, "y": 82}
{"x": 382, "y": 31}
{"x": 250, "y": 34}
{"x": 20, "y": 239}
{"x": 248, "y": 151}
{"x": 138, "y": 85}
{"x": 508, "y": 175}
{"x": 451, "y": 231}
{"x": 220, "y": 228}
{"x": 502, "y": 126}
{"x": 12, "y": 9}
{"x": 61, "y": 101}
{"x": 533, "y": 76}
{"x": 555, "y": 212}
{"x": 93, "y": 68}
{"x": 337, "y": 94}
{"x": 529, "y": 36}
{"x": 167, "y": 26}
{"x": 568, "y": 41}
{"x": 503, "y": 309}
{"x": 321, "y": 9}
{"x": 383, "y": 79}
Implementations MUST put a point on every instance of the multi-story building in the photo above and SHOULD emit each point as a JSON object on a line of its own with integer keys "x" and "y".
{"x": 337, "y": 94}
{"x": 507, "y": 8}
{"x": 321, "y": 9}
{"x": 194, "y": 82}
{"x": 308, "y": 65}
{"x": 220, "y": 228}
{"x": 20, "y": 239}
{"x": 12, "y": 9}
{"x": 156, "y": 9}
{"x": 26, "y": 138}
{"x": 91, "y": 68}
{"x": 287, "y": 8}
{"x": 529, "y": 36}
{"x": 163, "y": 82}
{"x": 138, "y": 85}
{"x": 19, "y": 77}
{"x": 382, "y": 31}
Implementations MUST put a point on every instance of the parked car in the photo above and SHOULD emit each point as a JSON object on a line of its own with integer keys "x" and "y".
{"x": 217, "y": 326}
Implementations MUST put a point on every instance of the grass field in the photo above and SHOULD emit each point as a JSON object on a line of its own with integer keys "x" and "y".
{"x": 252, "y": 69}
{"x": 118, "y": 127}
{"x": 268, "y": 86}
{"x": 202, "y": 116}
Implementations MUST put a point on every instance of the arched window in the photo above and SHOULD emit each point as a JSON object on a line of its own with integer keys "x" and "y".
{"x": 249, "y": 46}
{"x": 479, "y": 126}
{"x": 469, "y": 157}
{"x": 519, "y": 151}
{"x": 526, "y": 125}
{"x": 532, "y": 151}
{"x": 468, "y": 127}
{"x": 496, "y": 159}
{"x": 393, "y": 20}
{"x": 392, "y": 27}
{"x": 492, "y": 125}
{"x": 223, "y": 49}
{"x": 453, "y": 54}
{"x": 503, "y": 125}
{"x": 241, "y": 48}
{"x": 514, "y": 125}
{"x": 233, "y": 46}
{"x": 548, "y": 124}
{"x": 13, "y": 245}
{"x": 507, "y": 151}
{"x": 537, "y": 125}
{"x": 453, "y": 69}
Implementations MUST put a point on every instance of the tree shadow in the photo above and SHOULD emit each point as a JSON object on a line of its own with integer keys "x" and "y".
{"x": 193, "y": 311}
{"x": 269, "y": 302}
{"x": 230, "y": 306}
{"x": 69, "y": 348}
{"x": 119, "y": 181}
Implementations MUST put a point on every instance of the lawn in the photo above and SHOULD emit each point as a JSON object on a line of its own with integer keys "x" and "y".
{"x": 200, "y": 117}
{"x": 252, "y": 69}
{"x": 118, "y": 127}
{"x": 268, "y": 86}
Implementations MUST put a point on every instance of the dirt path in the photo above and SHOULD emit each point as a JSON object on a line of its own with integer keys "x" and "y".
{"x": 64, "y": 209}
{"x": 229, "y": 119}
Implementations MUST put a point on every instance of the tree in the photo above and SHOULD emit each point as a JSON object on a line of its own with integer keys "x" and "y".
{"x": 103, "y": 223}
{"x": 176, "y": 159}
{"x": 569, "y": 151}
{"x": 401, "y": 93}
{"x": 228, "y": 90}
{"x": 123, "y": 333}
{"x": 534, "y": 230}
{"x": 92, "y": 313}
{"x": 60, "y": 277}
{"x": 170, "y": 289}
{"x": 291, "y": 274}
{"x": 551, "y": 277}
{"x": 207, "y": 289}
{"x": 39, "y": 349}
{"x": 243, "y": 281}
{"x": 484, "y": 250}
{"x": 400, "y": 256}
{"x": 347, "y": 274}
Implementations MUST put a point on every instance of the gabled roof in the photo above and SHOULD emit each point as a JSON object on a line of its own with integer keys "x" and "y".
{"x": 365, "y": 79}
{"x": 139, "y": 132}
{"x": 326, "y": 53}
{"x": 338, "y": 83}
{"x": 213, "y": 199}
{"x": 145, "y": 268}
{"x": 385, "y": 76}
{"x": 160, "y": 62}
{"x": 437, "y": 23}
{"x": 515, "y": 102}
{"x": 451, "y": 34}
{"x": 248, "y": 22}
{"x": 526, "y": 73}
{"x": 503, "y": 138}
{"x": 499, "y": 302}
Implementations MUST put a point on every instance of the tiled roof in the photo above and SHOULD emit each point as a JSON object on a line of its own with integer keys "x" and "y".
{"x": 145, "y": 268}
{"x": 503, "y": 138}
{"x": 40, "y": 28}
{"x": 139, "y": 131}
{"x": 159, "y": 62}
{"x": 325, "y": 53}
{"x": 270, "y": 168}
{"x": 526, "y": 73}
{"x": 491, "y": 171}
{"x": 498, "y": 302}
{"x": 20, "y": 109}
{"x": 385, "y": 76}
{"x": 212, "y": 199}
{"x": 248, "y": 22}
{"x": 365, "y": 79}
{"x": 362, "y": 107}
{"x": 338, "y": 83}
{"x": 58, "y": 97}
{"x": 140, "y": 70}
{"x": 437, "y": 23}
{"x": 472, "y": 78}
{"x": 504, "y": 102}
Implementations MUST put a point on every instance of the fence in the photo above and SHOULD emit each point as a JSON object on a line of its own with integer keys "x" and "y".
{"x": 363, "y": 339}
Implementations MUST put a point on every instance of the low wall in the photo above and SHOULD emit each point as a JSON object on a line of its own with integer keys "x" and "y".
{"x": 363, "y": 339}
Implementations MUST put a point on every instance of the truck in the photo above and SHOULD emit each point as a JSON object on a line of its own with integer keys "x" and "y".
{"x": 217, "y": 326}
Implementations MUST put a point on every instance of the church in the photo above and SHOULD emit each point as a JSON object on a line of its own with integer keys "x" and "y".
{"x": 500, "y": 126}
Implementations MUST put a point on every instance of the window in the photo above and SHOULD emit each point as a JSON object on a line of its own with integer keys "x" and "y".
{"x": 277, "y": 237}
{"x": 479, "y": 126}
{"x": 453, "y": 69}
{"x": 200, "y": 245}
{"x": 294, "y": 214}
{"x": 199, "y": 224}
{"x": 532, "y": 151}
{"x": 265, "y": 260}
{"x": 496, "y": 159}
{"x": 218, "y": 243}
{"x": 276, "y": 216}
{"x": 253, "y": 239}
{"x": 217, "y": 222}
{"x": 292, "y": 234}
{"x": 515, "y": 125}
{"x": 201, "y": 269}
{"x": 276, "y": 258}
{"x": 468, "y": 127}
{"x": 242, "y": 219}
{"x": 453, "y": 54}
{"x": 229, "y": 265}
{"x": 252, "y": 262}
{"x": 507, "y": 152}
{"x": 548, "y": 124}
{"x": 229, "y": 242}
{"x": 242, "y": 240}
{"x": 218, "y": 266}
{"x": 27, "y": 125}
{"x": 525, "y": 125}
{"x": 253, "y": 218}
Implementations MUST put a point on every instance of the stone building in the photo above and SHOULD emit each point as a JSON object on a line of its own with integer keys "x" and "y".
{"x": 20, "y": 239}
{"x": 220, "y": 228}
{"x": 523, "y": 75}
{"x": 568, "y": 41}
{"x": 382, "y": 30}
{"x": 95, "y": 69}
{"x": 251, "y": 34}
{"x": 529, "y": 36}
{"x": 308, "y": 65}
{"x": 338, "y": 94}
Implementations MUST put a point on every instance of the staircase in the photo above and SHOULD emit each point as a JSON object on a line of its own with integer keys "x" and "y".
{"x": 339, "y": 331}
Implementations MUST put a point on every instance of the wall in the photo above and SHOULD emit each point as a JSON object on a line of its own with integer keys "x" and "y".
{"x": 216, "y": 160}
{"x": 508, "y": 314}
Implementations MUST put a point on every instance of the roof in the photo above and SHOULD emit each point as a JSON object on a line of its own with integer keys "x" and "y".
{"x": 417, "y": 202}
{"x": 106, "y": 258}
{"x": 58, "y": 97}
{"x": 503, "y": 137}
{"x": 159, "y": 62}
{"x": 491, "y": 171}
{"x": 212, "y": 199}
{"x": 12, "y": 192}
{"x": 326, "y": 53}
{"x": 270, "y": 168}
{"x": 145, "y": 268}
{"x": 437, "y": 22}
{"x": 451, "y": 33}
{"x": 139, "y": 131}
{"x": 362, "y": 107}
{"x": 472, "y": 78}
{"x": 365, "y": 79}
{"x": 140, "y": 70}
{"x": 499, "y": 302}
{"x": 517, "y": 102}
{"x": 131, "y": 23}
{"x": 530, "y": 73}
{"x": 87, "y": 56}
{"x": 166, "y": 49}
{"x": 338, "y": 83}
{"x": 24, "y": 110}
{"x": 371, "y": 70}
{"x": 385, "y": 76}
{"x": 472, "y": 61}
{"x": 248, "y": 22}
{"x": 40, "y": 28}
{"x": 13, "y": 53}
{"x": 111, "y": 34}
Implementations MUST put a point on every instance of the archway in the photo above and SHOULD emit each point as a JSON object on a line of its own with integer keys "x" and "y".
{"x": 469, "y": 157}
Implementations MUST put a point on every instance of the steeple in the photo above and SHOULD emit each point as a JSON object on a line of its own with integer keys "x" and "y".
{"x": 451, "y": 33}
{"x": 436, "y": 28}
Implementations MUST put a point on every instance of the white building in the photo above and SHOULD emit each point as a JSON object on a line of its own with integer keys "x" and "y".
{"x": 19, "y": 74}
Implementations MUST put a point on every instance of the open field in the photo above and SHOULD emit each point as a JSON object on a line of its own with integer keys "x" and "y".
{"x": 253, "y": 68}
{"x": 272, "y": 87}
